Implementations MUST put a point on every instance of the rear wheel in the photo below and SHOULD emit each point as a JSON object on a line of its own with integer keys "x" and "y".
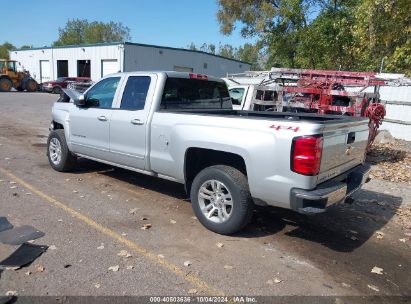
{"x": 221, "y": 199}
{"x": 5, "y": 85}
{"x": 31, "y": 85}
{"x": 60, "y": 157}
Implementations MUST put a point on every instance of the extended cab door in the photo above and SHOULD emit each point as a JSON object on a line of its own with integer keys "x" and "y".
{"x": 129, "y": 121}
{"x": 90, "y": 124}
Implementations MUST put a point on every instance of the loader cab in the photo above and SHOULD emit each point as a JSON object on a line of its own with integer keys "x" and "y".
{"x": 11, "y": 66}
{"x": 8, "y": 66}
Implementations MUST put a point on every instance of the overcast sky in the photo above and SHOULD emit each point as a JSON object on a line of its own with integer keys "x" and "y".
{"x": 174, "y": 23}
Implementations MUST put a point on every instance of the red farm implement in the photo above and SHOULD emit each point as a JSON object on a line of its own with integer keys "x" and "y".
{"x": 331, "y": 92}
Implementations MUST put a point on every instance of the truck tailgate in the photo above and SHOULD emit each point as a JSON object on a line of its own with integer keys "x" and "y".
{"x": 343, "y": 147}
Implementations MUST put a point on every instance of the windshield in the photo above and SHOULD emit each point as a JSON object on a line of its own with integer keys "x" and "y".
{"x": 11, "y": 65}
{"x": 183, "y": 93}
{"x": 61, "y": 79}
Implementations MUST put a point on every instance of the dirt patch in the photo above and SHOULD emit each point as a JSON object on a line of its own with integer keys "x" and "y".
{"x": 392, "y": 161}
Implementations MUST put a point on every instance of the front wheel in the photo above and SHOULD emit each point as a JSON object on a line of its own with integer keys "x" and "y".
{"x": 60, "y": 157}
{"x": 5, "y": 85}
{"x": 31, "y": 85}
{"x": 221, "y": 199}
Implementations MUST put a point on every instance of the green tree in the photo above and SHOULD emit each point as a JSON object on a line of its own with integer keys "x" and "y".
{"x": 192, "y": 46}
{"x": 277, "y": 23}
{"x": 327, "y": 42}
{"x": 250, "y": 53}
{"x": 383, "y": 30}
{"x": 80, "y": 31}
{"x": 227, "y": 51}
{"x": 4, "y": 50}
{"x": 326, "y": 34}
{"x": 208, "y": 48}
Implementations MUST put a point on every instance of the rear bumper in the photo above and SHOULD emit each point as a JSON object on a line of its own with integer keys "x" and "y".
{"x": 329, "y": 192}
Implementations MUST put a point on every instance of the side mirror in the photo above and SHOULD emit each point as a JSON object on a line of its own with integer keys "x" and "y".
{"x": 80, "y": 101}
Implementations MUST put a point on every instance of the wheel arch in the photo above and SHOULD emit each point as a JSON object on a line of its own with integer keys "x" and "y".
{"x": 55, "y": 125}
{"x": 197, "y": 159}
{"x": 5, "y": 77}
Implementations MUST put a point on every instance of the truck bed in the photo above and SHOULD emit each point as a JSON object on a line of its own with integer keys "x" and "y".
{"x": 287, "y": 116}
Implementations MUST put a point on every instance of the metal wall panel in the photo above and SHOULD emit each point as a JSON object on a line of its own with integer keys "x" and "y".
{"x": 137, "y": 58}
{"x": 144, "y": 58}
{"x": 398, "y": 115}
{"x": 30, "y": 59}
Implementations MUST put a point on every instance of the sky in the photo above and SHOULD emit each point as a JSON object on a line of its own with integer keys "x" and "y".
{"x": 174, "y": 23}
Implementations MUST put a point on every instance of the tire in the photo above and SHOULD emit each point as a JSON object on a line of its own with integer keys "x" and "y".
{"x": 232, "y": 183}
{"x": 31, "y": 85}
{"x": 60, "y": 157}
{"x": 5, "y": 85}
{"x": 57, "y": 90}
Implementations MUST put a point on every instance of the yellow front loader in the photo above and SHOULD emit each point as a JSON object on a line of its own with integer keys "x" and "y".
{"x": 9, "y": 78}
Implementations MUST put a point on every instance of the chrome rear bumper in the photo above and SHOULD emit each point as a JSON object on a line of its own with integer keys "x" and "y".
{"x": 329, "y": 192}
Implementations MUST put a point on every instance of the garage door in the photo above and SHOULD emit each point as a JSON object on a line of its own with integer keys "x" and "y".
{"x": 45, "y": 71}
{"x": 109, "y": 67}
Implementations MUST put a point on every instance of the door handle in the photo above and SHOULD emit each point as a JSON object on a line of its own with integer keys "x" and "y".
{"x": 351, "y": 137}
{"x": 102, "y": 118}
{"x": 137, "y": 121}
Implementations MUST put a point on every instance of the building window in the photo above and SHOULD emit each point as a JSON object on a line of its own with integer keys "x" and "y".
{"x": 182, "y": 69}
{"x": 62, "y": 68}
{"x": 83, "y": 68}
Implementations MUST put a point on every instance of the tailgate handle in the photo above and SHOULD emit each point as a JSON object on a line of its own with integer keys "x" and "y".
{"x": 351, "y": 137}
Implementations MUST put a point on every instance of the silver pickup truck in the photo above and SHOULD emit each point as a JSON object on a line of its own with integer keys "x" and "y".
{"x": 181, "y": 127}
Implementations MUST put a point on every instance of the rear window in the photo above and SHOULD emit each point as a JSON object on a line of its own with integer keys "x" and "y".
{"x": 183, "y": 93}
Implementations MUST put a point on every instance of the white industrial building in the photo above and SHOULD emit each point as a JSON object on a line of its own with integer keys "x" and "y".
{"x": 98, "y": 60}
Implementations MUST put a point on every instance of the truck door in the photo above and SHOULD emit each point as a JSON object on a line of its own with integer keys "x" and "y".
{"x": 129, "y": 122}
{"x": 90, "y": 124}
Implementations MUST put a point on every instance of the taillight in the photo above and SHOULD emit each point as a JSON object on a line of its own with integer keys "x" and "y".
{"x": 198, "y": 76}
{"x": 306, "y": 154}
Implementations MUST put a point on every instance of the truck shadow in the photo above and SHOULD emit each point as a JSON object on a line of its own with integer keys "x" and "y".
{"x": 166, "y": 187}
{"x": 343, "y": 227}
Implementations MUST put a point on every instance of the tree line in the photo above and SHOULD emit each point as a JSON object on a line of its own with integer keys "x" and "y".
{"x": 325, "y": 34}
{"x": 248, "y": 52}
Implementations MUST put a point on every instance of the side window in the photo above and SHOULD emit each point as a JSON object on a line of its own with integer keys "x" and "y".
{"x": 102, "y": 94}
{"x": 236, "y": 95}
{"x": 135, "y": 93}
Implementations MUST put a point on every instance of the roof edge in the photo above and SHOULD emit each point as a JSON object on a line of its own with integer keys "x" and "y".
{"x": 68, "y": 46}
